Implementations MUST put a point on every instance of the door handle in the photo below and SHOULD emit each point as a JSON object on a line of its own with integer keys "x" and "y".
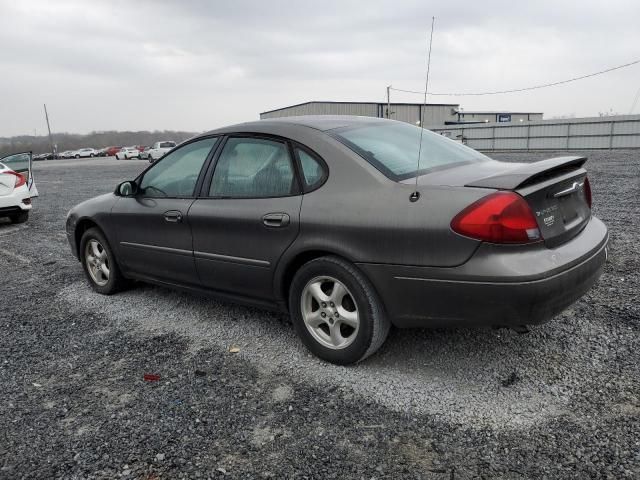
{"x": 173, "y": 216}
{"x": 275, "y": 220}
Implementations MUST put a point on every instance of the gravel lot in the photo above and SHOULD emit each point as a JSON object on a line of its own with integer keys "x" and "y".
{"x": 560, "y": 402}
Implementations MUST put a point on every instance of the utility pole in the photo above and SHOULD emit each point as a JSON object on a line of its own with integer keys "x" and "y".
{"x": 46, "y": 115}
{"x": 388, "y": 101}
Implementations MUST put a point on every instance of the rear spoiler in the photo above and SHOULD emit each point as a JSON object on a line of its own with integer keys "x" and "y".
{"x": 530, "y": 173}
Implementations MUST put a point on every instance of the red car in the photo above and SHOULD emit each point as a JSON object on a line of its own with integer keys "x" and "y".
{"x": 111, "y": 151}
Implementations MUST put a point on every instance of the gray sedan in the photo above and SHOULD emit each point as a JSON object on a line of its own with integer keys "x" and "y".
{"x": 351, "y": 225}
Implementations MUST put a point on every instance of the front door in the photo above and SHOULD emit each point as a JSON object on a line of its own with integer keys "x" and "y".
{"x": 152, "y": 227}
{"x": 247, "y": 217}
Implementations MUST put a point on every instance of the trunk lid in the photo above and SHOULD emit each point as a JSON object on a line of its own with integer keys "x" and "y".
{"x": 6, "y": 181}
{"x": 22, "y": 163}
{"x": 556, "y": 191}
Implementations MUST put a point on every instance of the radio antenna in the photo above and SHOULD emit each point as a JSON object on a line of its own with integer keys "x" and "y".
{"x": 416, "y": 195}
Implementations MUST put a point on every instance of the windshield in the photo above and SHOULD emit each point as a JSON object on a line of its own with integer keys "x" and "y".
{"x": 393, "y": 149}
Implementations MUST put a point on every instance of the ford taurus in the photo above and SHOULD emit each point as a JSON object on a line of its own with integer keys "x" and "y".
{"x": 332, "y": 220}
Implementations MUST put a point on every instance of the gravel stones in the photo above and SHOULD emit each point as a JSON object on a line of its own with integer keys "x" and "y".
{"x": 559, "y": 402}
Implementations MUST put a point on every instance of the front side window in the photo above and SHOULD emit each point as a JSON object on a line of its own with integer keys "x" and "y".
{"x": 253, "y": 168}
{"x": 177, "y": 173}
{"x": 393, "y": 149}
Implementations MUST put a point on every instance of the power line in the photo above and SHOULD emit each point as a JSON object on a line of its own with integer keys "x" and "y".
{"x": 525, "y": 89}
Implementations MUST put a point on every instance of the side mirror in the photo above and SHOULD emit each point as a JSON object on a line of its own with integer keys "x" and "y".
{"x": 126, "y": 189}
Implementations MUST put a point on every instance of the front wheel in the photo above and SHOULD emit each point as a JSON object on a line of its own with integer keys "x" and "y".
{"x": 336, "y": 311}
{"x": 99, "y": 263}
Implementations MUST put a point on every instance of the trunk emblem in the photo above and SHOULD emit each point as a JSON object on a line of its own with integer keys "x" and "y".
{"x": 548, "y": 221}
{"x": 546, "y": 211}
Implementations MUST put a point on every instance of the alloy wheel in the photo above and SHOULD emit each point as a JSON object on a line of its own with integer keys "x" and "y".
{"x": 97, "y": 262}
{"x": 329, "y": 312}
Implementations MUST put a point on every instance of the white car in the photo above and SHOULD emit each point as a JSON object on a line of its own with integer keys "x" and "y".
{"x": 85, "y": 153}
{"x": 16, "y": 187}
{"x": 159, "y": 149}
{"x": 128, "y": 152}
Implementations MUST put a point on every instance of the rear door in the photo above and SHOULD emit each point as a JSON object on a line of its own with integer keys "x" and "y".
{"x": 247, "y": 216}
{"x": 22, "y": 164}
{"x": 152, "y": 227}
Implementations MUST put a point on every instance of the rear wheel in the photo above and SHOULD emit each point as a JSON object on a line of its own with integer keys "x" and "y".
{"x": 19, "y": 217}
{"x": 336, "y": 311}
{"x": 99, "y": 263}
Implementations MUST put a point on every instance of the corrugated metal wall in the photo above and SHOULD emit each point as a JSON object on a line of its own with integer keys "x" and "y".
{"x": 434, "y": 114}
{"x": 621, "y": 131}
{"x": 362, "y": 109}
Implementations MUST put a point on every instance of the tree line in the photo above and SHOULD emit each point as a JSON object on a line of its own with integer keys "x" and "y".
{"x": 72, "y": 141}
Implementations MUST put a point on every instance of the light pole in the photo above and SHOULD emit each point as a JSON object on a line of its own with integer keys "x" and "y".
{"x": 53, "y": 151}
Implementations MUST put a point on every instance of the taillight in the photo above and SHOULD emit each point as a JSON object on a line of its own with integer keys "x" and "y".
{"x": 502, "y": 217}
{"x": 587, "y": 191}
{"x": 20, "y": 179}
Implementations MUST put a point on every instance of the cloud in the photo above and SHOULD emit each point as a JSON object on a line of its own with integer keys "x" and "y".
{"x": 196, "y": 65}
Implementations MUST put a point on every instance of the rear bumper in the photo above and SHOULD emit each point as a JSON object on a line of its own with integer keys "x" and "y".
{"x": 13, "y": 203}
{"x": 498, "y": 286}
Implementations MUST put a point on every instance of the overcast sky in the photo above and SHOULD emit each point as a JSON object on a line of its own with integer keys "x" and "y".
{"x": 196, "y": 65}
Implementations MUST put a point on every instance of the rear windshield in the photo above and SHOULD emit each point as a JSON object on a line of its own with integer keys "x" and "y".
{"x": 393, "y": 149}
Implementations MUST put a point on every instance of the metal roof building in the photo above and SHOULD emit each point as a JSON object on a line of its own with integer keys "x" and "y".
{"x": 434, "y": 113}
{"x": 499, "y": 116}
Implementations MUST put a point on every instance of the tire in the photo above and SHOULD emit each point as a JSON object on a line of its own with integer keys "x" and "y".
{"x": 77, "y": 156}
{"x": 115, "y": 281}
{"x": 92, "y": 155}
{"x": 357, "y": 316}
{"x": 19, "y": 217}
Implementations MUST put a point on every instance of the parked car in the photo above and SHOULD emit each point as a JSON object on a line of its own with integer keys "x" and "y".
{"x": 144, "y": 154}
{"x": 127, "y": 153}
{"x": 111, "y": 151}
{"x": 323, "y": 217}
{"x": 15, "y": 184}
{"x": 85, "y": 153}
{"x": 158, "y": 149}
{"x": 66, "y": 154}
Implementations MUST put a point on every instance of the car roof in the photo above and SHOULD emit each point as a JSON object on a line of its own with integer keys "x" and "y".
{"x": 318, "y": 122}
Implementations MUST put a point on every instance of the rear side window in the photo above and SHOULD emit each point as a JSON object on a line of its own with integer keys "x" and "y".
{"x": 312, "y": 170}
{"x": 392, "y": 147}
{"x": 253, "y": 168}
